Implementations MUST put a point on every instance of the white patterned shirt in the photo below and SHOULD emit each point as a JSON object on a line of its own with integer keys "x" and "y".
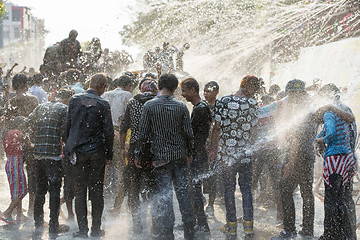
{"x": 237, "y": 117}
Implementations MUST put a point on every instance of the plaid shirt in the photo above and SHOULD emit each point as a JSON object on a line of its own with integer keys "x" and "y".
{"x": 48, "y": 123}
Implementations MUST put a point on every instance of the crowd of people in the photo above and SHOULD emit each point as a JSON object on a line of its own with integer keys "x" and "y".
{"x": 68, "y": 53}
{"x": 163, "y": 58}
{"x": 74, "y": 129}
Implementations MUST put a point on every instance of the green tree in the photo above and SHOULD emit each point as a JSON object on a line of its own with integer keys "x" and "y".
{"x": 2, "y": 8}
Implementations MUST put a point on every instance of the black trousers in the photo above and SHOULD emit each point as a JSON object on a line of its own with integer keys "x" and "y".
{"x": 48, "y": 178}
{"x": 197, "y": 169}
{"x": 350, "y": 204}
{"x": 89, "y": 173}
{"x": 337, "y": 220}
{"x": 304, "y": 178}
{"x": 69, "y": 187}
{"x": 134, "y": 175}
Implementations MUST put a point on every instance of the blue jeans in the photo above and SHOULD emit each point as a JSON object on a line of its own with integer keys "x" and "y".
{"x": 245, "y": 179}
{"x": 163, "y": 219}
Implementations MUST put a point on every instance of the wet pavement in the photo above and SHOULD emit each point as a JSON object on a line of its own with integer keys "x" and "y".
{"x": 120, "y": 227}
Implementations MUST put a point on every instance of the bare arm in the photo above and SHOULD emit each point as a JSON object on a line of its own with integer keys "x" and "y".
{"x": 347, "y": 117}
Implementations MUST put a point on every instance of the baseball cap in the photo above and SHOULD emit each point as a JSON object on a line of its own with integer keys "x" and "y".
{"x": 295, "y": 85}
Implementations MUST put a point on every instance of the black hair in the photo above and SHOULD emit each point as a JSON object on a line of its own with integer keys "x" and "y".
{"x": 213, "y": 85}
{"x": 274, "y": 89}
{"x": 72, "y": 76}
{"x": 328, "y": 89}
{"x": 65, "y": 93}
{"x": 37, "y": 79}
{"x": 19, "y": 81}
{"x": 190, "y": 83}
{"x": 250, "y": 81}
{"x": 168, "y": 81}
{"x": 122, "y": 81}
{"x": 150, "y": 75}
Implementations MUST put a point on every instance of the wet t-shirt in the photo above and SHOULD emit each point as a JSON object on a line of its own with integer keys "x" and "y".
{"x": 237, "y": 117}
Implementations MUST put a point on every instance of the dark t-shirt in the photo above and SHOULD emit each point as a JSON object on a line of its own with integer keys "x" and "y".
{"x": 200, "y": 122}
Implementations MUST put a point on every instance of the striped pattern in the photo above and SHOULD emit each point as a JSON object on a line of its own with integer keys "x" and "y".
{"x": 339, "y": 164}
{"x": 15, "y": 172}
{"x": 165, "y": 121}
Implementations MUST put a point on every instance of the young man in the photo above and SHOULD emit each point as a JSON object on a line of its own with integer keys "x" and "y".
{"x": 200, "y": 122}
{"x": 37, "y": 89}
{"x": 165, "y": 123}
{"x": 22, "y": 104}
{"x": 339, "y": 135}
{"x": 118, "y": 100}
{"x": 70, "y": 50}
{"x": 135, "y": 176}
{"x": 48, "y": 122}
{"x": 90, "y": 137}
{"x": 235, "y": 118}
{"x": 298, "y": 170}
{"x": 212, "y": 183}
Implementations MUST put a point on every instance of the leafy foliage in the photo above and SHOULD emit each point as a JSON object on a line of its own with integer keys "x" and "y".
{"x": 2, "y": 8}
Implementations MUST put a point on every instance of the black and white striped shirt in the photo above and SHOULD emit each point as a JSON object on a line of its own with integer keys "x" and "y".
{"x": 165, "y": 121}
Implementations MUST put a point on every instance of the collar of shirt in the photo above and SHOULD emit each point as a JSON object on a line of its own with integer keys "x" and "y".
{"x": 92, "y": 92}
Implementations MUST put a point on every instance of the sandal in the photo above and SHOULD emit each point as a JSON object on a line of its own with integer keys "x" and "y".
{"x": 24, "y": 220}
{"x": 8, "y": 221}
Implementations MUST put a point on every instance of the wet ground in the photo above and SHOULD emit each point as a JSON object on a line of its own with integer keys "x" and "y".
{"x": 120, "y": 227}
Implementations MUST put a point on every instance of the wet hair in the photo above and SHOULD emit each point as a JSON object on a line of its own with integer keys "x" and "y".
{"x": 65, "y": 93}
{"x": 95, "y": 39}
{"x": 168, "y": 81}
{"x": 330, "y": 90}
{"x": 19, "y": 81}
{"x": 186, "y": 46}
{"x": 274, "y": 89}
{"x": 150, "y": 75}
{"x": 72, "y": 76}
{"x": 42, "y": 67}
{"x": 250, "y": 81}
{"x": 190, "y": 83}
{"x": 122, "y": 81}
{"x": 98, "y": 80}
{"x": 37, "y": 79}
{"x": 212, "y": 86}
{"x": 73, "y": 32}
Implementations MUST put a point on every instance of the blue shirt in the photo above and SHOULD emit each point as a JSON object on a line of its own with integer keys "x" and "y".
{"x": 336, "y": 135}
{"x": 39, "y": 93}
{"x": 78, "y": 88}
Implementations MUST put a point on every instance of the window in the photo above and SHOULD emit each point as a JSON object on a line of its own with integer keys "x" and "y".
{"x": 17, "y": 33}
{"x": 16, "y": 15}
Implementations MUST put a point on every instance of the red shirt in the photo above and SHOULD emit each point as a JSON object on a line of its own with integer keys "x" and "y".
{"x": 11, "y": 142}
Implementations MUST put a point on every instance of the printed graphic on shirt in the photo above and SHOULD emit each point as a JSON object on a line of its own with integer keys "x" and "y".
{"x": 237, "y": 116}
